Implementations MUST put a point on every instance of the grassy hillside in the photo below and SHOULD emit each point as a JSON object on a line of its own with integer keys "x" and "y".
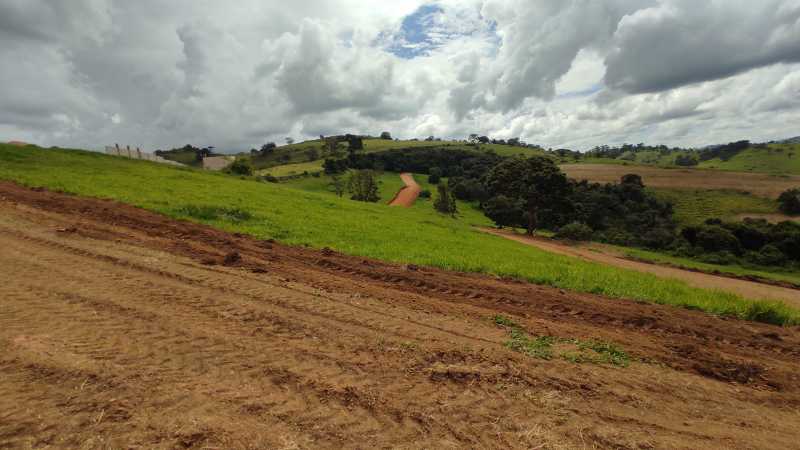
{"x": 694, "y": 206}
{"x": 389, "y": 183}
{"x": 300, "y": 153}
{"x": 774, "y": 159}
{"x": 293, "y": 216}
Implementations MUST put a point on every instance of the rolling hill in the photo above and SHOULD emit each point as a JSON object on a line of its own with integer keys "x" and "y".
{"x": 415, "y": 235}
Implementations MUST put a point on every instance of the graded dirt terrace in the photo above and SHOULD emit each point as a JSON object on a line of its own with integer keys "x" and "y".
{"x": 760, "y": 184}
{"x": 120, "y": 328}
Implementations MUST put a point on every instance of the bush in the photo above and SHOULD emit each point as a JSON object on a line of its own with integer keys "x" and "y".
{"x": 790, "y": 201}
{"x": 241, "y": 167}
{"x": 575, "y": 231}
{"x": 720, "y": 258}
{"x": 717, "y": 239}
{"x": 425, "y": 194}
{"x": 767, "y": 256}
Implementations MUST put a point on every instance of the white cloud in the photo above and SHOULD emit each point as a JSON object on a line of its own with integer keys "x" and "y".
{"x": 555, "y": 72}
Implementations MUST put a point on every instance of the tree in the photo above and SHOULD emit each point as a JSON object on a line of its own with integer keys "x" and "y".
{"x": 790, "y": 201}
{"x": 537, "y": 182}
{"x": 363, "y": 186}
{"x": 337, "y": 184}
{"x": 483, "y": 139}
{"x": 445, "y": 202}
{"x": 268, "y": 148}
{"x": 386, "y": 135}
{"x": 632, "y": 179}
{"x": 434, "y": 175}
{"x": 504, "y": 212}
{"x": 473, "y": 138}
{"x": 312, "y": 154}
{"x": 685, "y": 160}
{"x": 355, "y": 143}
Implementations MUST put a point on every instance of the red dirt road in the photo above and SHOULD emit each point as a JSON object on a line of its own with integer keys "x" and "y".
{"x": 744, "y": 288}
{"x": 120, "y": 328}
{"x": 406, "y": 196}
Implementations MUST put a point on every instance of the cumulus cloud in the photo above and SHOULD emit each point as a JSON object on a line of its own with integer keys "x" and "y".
{"x": 555, "y": 72}
{"x": 680, "y": 42}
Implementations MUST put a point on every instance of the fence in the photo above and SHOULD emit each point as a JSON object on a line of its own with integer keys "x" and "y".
{"x": 136, "y": 153}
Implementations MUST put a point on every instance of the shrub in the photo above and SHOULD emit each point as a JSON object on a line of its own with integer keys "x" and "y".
{"x": 790, "y": 201}
{"x": 721, "y": 258}
{"x": 425, "y": 194}
{"x": 241, "y": 167}
{"x": 767, "y": 256}
{"x": 575, "y": 231}
{"x": 717, "y": 239}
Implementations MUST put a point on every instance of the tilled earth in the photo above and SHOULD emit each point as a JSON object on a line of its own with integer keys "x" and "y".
{"x": 120, "y": 328}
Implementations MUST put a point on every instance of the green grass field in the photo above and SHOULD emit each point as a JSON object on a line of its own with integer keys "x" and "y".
{"x": 739, "y": 271}
{"x": 292, "y": 169}
{"x": 389, "y": 183}
{"x": 415, "y": 235}
{"x": 775, "y": 159}
{"x": 694, "y": 206}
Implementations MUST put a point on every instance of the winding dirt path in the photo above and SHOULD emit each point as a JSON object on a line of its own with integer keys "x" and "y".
{"x": 407, "y": 195}
{"x": 744, "y": 288}
{"x": 121, "y": 328}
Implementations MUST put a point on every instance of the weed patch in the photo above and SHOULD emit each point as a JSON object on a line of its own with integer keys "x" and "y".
{"x": 215, "y": 213}
{"x": 573, "y": 350}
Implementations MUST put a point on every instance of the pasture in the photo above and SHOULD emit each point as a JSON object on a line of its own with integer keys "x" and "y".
{"x": 297, "y": 217}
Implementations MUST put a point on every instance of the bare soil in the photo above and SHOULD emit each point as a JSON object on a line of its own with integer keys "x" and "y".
{"x": 745, "y": 288}
{"x": 764, "y": 185}
{"x": 408, "y": 194}
{"x": 216, "y": 162}
{"x": 120, "y": 328}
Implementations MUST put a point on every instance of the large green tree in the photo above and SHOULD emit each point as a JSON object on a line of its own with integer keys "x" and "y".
{"x": 363, "y": 186}
{"x": 532, "y": 183}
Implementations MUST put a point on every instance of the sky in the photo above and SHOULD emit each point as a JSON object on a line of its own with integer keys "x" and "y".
{"x": 557, "y": 73}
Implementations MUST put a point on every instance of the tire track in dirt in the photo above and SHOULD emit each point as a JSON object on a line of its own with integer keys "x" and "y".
{"x": 127, "y": 329}
{"x": 408, "y": 194}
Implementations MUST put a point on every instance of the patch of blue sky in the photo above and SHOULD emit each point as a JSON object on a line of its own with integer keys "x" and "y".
{"x": 583, "y": 93}
{"x": 430, "y": 27}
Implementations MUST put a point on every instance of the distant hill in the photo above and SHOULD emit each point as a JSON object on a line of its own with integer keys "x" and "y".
{"x": 309, "y": 152}
{"x": 794, "y": 140}
{"x": 776, "y": 159}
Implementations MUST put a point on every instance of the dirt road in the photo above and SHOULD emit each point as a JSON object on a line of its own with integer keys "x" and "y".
{"x": 406, "y": 196}
{"x": 761, "y": 184}
{"x": 120, "y": 328}
{"x": 745, "y": 288}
